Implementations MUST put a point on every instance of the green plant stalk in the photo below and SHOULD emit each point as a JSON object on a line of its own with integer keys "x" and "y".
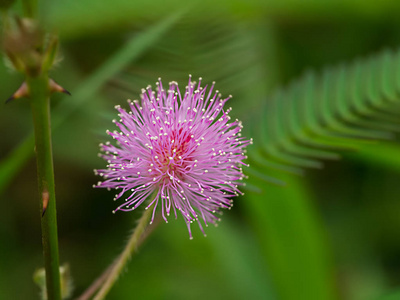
{"x": 127, "y": 54}
{"x": 40, "y": 103}
{"x": 121, "y": 261}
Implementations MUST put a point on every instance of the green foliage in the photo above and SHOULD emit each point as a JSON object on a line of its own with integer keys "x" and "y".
{"x": 290, "y": 234}
{"x": 329, "y": 234}
{"x": 133, "y": 48}
{"x": 344, "y": 108}
{"x": 39, "y": 277}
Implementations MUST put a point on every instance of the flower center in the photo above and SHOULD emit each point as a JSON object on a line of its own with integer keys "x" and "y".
{"x": 173, "y": 154}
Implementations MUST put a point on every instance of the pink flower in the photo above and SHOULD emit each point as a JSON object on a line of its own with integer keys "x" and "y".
{"x": 181, "y": 149}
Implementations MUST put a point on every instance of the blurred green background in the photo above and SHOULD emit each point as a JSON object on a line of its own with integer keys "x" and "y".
{"x": 326, "y": 234}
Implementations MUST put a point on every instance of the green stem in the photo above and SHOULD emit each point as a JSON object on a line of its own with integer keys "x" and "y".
{"x": 121, "y": 261}
{"x": 40, "y": 104}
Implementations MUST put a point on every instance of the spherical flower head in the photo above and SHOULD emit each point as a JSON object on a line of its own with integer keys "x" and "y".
{"x": 182, "y": 150}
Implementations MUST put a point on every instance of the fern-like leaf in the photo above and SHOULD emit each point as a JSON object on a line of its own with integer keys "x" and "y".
{"x": 315, "y": 116}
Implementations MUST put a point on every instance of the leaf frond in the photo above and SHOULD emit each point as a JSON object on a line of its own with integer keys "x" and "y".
{"x": 314, "y": 117}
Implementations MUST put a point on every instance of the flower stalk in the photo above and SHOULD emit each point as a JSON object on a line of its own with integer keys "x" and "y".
{"x": 123, "y": 258}
{"x": 39, "y": 94}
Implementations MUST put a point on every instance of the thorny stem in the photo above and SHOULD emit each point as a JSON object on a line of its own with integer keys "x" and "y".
{"x": 40, "y": 104}
{"x": 119, "y": 264}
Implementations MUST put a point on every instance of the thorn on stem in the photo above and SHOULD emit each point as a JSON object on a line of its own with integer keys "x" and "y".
{"x": 45, "y": 201}
{"x": 9, "y": 99}
{"x": 21, "y": 92}
{"x": 55, "y": 87}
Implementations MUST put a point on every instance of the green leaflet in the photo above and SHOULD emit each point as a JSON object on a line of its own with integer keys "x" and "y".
{"x": 344, "y": 108}
{"x": 382, "y": 153}
{"x": 292, "y": 239}
{"x": 10, "y": 166}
